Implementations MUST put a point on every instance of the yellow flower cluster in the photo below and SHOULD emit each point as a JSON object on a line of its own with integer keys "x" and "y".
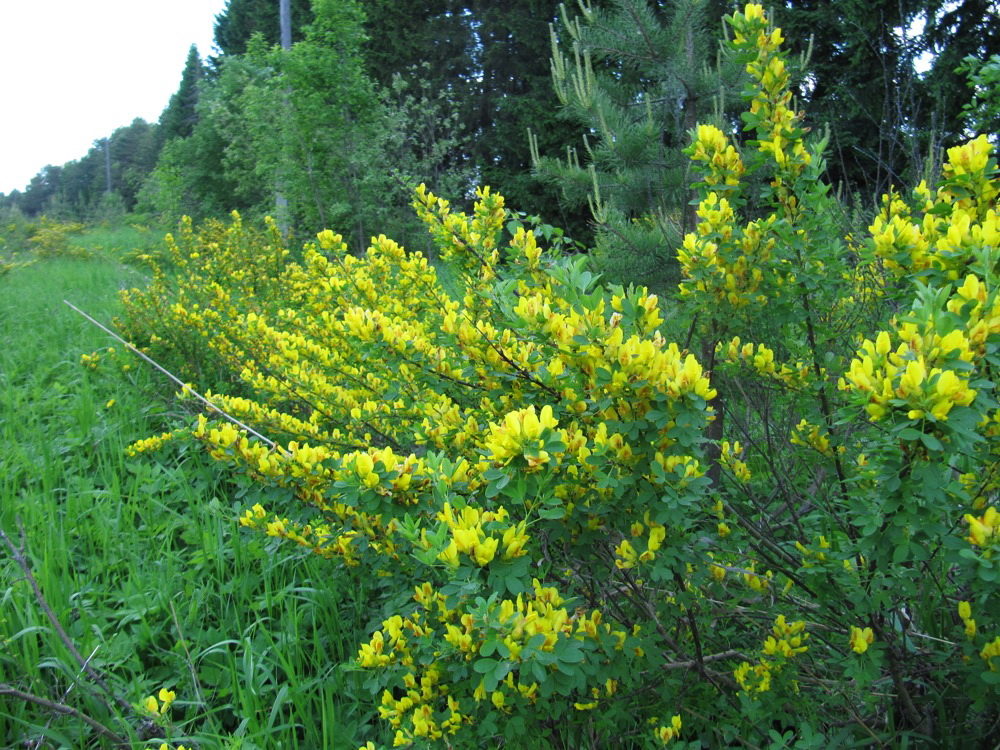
{"x": 786, "y": 642}
{"x": 725, "y": 268}
{"x": 943, "y": 233}
{"x": 917, "y": 377}
{"x": 319, "y": 538}
{"x": 980, "y": 310}
{"x": 744, "y": 267}
{"x": 816, "y": 554}
{"x": 755, "y": 581}
{"x": 812, "y": 436}
{"x": 990, "y": 652}
{"x": 471, "y": 244}
{"x": 730, "y": 458}
{"x": 150, "y": 444}
{"x": 723, "y": 165}
{"x": 159, "y": 708}
{"x": 778, "y": 125}
{"x": 666, "y": 734}
{"x": 965, "y": 613}
{"x": 970, "y": 166}
{"x": 761, "y": 358}
{"x": 470, "y": 538}
{"x": 523, "y": 433}
{"x": 626, "y": 556}
{"x": 422, "y": 706}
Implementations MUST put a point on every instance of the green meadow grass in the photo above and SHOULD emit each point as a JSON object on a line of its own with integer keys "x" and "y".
{"x": 142, "y": 560}
{"x": 120, "y": 241}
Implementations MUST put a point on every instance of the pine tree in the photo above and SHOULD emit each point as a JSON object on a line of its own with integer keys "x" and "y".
{"x": 638, "y": 76}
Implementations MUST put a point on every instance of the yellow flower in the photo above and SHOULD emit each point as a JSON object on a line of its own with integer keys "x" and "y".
{"x": 970, "y": 628}
{"x": 666, "y": 734}
{"x": 480, "y": 692}
{"x": 983, "y": 530}
{"x": 861, "y": 639}
{"x": 990, "y": 652}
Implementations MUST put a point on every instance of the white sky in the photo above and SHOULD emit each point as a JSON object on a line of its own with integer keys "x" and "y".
{"x": 71, "y": 71}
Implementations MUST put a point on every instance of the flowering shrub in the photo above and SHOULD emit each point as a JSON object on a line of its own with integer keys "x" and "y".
{"x": 587, "y": 534}
{"x": 9, "y": 261}
{"x": 50, "y": 238}
{"x": 201, "y": 282}
{"x": 15, "y": 241}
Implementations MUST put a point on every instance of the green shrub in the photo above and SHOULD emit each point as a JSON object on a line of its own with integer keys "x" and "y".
{"x": 588, "y": 535}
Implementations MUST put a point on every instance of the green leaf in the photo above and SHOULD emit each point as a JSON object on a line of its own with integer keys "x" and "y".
{"x": 514, "y": 585}
{"x": 571, "y": 654}
{"x": 931, "y": 442}
{"x": 485, "y": 666}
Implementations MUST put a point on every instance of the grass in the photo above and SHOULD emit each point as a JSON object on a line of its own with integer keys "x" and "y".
{"x": 141, "y": 559}
{"x": 119, "y": 241}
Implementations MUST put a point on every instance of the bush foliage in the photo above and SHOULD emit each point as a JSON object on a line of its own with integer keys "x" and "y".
{"x": 779, "y": 531}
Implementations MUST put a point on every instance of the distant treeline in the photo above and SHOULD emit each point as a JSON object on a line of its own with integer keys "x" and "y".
{"x": 374, "y": 94}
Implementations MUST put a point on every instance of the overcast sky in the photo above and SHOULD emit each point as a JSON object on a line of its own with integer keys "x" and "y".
{"x": 71, "y": 71}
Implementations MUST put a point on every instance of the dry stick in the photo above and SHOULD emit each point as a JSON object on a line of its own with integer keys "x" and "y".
{"x": 62, "y": 708}
{"x": 65, "y": 695}
{"x": 184, "y": 386}
{"x": 18, "y": 554}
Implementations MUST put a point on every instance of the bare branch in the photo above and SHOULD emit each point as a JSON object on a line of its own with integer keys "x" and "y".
{"x": 62, "y": 708}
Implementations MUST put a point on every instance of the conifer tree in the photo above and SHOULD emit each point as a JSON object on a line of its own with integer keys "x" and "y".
{"x": 861, "y": 85}
{"x": 638, "y": 76}
{"x": 241, "y": 19}
{"x": 492, "y": 61}
{"x": 181, "y": 114}
{"x": 954, "y": 32}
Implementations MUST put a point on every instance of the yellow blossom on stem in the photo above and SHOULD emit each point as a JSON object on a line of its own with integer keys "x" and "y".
{"x": 861, "y": 639}
{"x": 667, "y": 733}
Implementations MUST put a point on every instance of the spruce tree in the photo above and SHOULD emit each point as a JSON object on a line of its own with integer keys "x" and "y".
{"x": 181, "y": 114}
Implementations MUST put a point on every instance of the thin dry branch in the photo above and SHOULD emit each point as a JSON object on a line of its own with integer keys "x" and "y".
{"x": 62, "y": 708}
{"x": 18, "y": 554}
{"x": 184, "y": 386}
